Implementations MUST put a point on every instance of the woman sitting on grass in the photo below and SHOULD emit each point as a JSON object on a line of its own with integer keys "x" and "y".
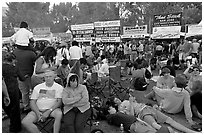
{"x": 149, "y": 115}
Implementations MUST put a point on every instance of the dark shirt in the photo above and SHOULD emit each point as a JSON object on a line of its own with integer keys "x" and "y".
{"x": 10, "y": 74}
{"x": 25, "y": 61}
{"x": 139, "y": 61}
{"x": 121, "y": 118}
{"x": 196, "y": 99}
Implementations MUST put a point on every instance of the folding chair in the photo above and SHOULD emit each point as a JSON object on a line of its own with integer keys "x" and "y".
{"x": 116, "y": 83}
{"x": 96, "y": 87}
{"x": 47, "y": 126}
{"x": 123, "y": 67}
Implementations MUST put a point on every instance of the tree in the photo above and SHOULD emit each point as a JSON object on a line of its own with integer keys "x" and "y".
{"x": 36, "y": 14}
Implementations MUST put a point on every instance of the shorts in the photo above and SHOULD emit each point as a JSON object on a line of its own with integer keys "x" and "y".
{"x": 181, "y": 55}
{"x": 156, "y": 114}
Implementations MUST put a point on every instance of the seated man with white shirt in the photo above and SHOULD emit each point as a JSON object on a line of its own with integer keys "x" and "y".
{"x": 46, "y": 101}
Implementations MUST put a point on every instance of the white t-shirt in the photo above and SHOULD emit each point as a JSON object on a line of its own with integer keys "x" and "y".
{"x": 61, "y": 54}
{"x": 75, "y": 52}
{"x": 46, "y": 96}
{"x": 22, "y": 36}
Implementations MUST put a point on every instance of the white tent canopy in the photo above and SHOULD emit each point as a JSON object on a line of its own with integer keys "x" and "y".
{"x": 195, "y": 29}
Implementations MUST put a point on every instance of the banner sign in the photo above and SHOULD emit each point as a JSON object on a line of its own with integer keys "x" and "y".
{"x": 135, "y": 36}
{"x": 194, "y": 30}
{"x": 173, "y": 19}
{"x": 62, "y": 36}
{"x": 107, "y": 23}
{"x": 82, "y": 26}
{"x": 108, "y": 31}
{"x": 166, "y": 32}
{"x": 135, "y": 30}
{"x": 83, "y": 32}
{"x": 41, "y": 31}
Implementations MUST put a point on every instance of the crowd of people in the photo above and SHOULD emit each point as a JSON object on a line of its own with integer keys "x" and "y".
{"x": 52, "y": 82}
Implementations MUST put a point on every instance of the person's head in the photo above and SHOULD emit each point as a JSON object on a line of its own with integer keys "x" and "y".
{"x": 63, "y": 44}
{"x": 165, "y": 72}
{"x": 114, "y": 102}
{"x": 23, "y": 25}
{"x": 64, "y": 62}
{"x": 144, "y": 64}
{"x": 195, "y": 70}
{"x": 197, "y": 86}
{"x": 181, "y": 81}
{"x": 49, "y": 76}
{"x": 49, "y": 53}
{"x": 135, "y": 65}
{"x": 75, "y": 43}
{"x": 169, "y": 62}
{"x": 194, "y": 40}
{"x": 103, "y": 57}
{"x": 72, "y": 80}
{"x": 9, "y": 57}
{"x": 124, "y": 106}
{"x": 83, "y": 62}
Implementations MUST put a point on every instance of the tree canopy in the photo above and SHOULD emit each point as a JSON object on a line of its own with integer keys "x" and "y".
{"x": 60, "y": 17}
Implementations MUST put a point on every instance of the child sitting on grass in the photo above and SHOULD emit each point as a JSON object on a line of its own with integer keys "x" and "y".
{"x": 63, "y": 70}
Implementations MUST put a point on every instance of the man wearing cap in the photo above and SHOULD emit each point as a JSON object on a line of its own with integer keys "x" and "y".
{"x": 165, "y": 81}
{"x": 46, "y": 101}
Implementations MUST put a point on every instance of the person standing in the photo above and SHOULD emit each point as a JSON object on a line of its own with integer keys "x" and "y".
{"x": 187, "y": 48}
{"x": 25, "y": 62}
{"x": 75, "y": 53}
{"x": 62, "y": 53}
{"x": 195, "y": 46}
{"x": 10, "y": 74}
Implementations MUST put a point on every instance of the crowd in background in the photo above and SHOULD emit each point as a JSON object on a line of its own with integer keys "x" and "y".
{"x": 24, "y": 66}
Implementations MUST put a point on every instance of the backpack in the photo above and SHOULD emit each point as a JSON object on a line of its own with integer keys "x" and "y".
{"x": 140, "y": 84}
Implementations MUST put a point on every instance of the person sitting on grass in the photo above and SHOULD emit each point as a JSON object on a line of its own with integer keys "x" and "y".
{"x": 193, "y": 74}
{"x": 165, "y": 81}
{"x": 46, "y": 101}
{"x": 196, "y": 99}
{"x": 175, "y": 99}
{"x": 147, "y": 114}
{"x": 63, "y": 70}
